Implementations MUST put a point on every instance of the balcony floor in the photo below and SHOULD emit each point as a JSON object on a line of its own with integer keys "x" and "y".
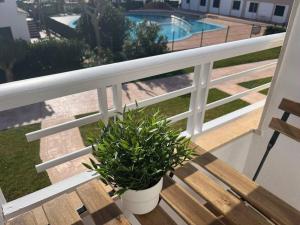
{"x": 229, "y": 131}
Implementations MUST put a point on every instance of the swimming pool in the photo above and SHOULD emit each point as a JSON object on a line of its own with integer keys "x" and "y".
{"x": 171, "y": 25}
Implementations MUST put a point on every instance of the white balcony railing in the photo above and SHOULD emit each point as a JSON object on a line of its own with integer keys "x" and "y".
{"x": 35, "y": 90}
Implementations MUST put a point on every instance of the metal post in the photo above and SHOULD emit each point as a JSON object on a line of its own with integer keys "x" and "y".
{"x": 251, "y": 31}
{"x": 201, "y": 40}
{"x": 271, "y": 143}
{"x": 202, "y": 76}
{"x": 227, "y": 32}
{"x": 173, "y": 41}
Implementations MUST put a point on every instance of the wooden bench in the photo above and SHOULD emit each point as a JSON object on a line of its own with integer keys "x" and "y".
{"x": 245, "y": 204}
{"x": 264, "y": 201}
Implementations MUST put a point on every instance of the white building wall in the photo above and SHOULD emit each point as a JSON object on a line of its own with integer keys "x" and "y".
{"x": 281, "y": 19}
{"x": 185, "y": 5}
{"x": 249, "y": 15}
{"x": 203, "y": 9}
{"x": 280, "y": 173}
{"x": 10, "y": 17}
{"x": 265, "y": 11}
{"x": 225, "y": 7}
{"x": 237, "y": 13}
{"x": 194, "y": 4}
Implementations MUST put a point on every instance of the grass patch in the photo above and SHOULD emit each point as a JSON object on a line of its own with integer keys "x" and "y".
{"x": 178, "y": 105}
{"x": 255, "y": 83}
{"x": 18, "y": 158}
{"x": 272, "y": 53}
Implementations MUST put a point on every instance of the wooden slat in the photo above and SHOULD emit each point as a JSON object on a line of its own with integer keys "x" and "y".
{"x": 24, "y": 219}
{"x": 60, "y": 212}
{"x": 98, "y": 203}
{"x": 40, "y": 216}
{"x": 185, "y": 205}
{"x": 269, "y": 204}
{"x": 156, "y": 217}
{"x": 285, "y": 128}
{"x": 290, "y": 106}
{"x": 232, "y": 208}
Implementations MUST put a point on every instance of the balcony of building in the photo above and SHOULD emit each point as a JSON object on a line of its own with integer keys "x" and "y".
{"x": 214, "y": 188}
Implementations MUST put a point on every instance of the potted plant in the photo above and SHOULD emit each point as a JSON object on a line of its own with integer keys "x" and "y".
{"x": 134, "y": 152}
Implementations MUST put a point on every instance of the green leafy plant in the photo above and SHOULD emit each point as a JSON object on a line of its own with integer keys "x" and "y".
{"x": 136, "y": 149}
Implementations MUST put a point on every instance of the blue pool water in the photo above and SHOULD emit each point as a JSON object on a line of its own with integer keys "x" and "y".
{"x": 171, "y": 25}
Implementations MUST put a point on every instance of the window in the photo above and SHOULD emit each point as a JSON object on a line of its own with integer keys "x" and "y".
{"x": 279, "y": 10}
{"x": 253, "y": 7}
{"x": 188, "y": 1}
{"x": 202, "y": 2}
{"x": 236, "y": 5}
{"x": 216, "y": 4}
{"x": 5, "y": 32}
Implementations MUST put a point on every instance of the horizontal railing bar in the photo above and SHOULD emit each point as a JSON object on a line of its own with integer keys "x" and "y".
{"x": 25, "y": 92}
{"x": 241, "y": 74}
{"x": 180, "y": 116}
{"x": 35, "y": 135}
{"x": 84, "y": 151}
{"x": 231, "y": 116}
{"x": 236, "y": 96}
{"x": 163, "y": 97}
{"x": 35, "y": 199}
{"x": 62, "y": 159}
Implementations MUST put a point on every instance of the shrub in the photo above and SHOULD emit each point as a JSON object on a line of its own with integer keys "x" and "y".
{"x": 135, "y": 152}
{"x": 145, "y": 41}
{"x": 51, "y": 56}
{"x": 274, "y": 30}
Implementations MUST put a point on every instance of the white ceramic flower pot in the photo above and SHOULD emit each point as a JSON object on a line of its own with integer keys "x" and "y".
{"x": 143, "y": 201}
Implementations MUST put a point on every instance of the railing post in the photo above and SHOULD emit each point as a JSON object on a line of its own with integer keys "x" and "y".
{"x": 117, "y": 97}
{"x": 2, "y": 201}
{"x": 202, "y": 76}
{"x": 102, "y": 101}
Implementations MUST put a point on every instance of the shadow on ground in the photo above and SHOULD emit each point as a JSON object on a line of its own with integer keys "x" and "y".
{"x": 24, "y": 115}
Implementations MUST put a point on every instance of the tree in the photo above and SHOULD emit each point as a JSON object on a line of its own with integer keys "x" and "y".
{"x": 11, "y": 51}
{"x": 145, "y": 40}
{"x": 104, "y": 27}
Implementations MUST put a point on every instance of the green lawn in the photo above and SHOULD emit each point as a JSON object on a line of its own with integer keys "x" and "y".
{"x": 178, "y": 105}
{"x": 18, "y": 176}
{"x": 268, "y": 54}
{"x": 255, "y": 83}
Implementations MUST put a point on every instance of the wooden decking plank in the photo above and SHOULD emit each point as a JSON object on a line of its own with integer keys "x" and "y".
{"x": 60, "y": 212}
{"x": 98, "y": 203}
{"x": 156, "y": 217}
{"x": 285, "y": 128}
{"x": 40, "y": 216}
{"x": 228, "y": 205}
{"x": 290, "y": 106}
{"x": 24, "y": 219}
{"x": 269, "y": 204}
{"x": 185, "y": 205}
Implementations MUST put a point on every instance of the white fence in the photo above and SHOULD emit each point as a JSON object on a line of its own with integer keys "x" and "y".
{"x": 35, "y": 90}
